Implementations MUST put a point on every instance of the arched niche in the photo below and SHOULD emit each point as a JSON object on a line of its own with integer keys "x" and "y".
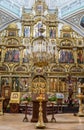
{"x": 57, "y": 69}
{"x": 12, "y": 41}
{"x": 20, "y": 69}
{"x": 3, "y": 68}
{"x": 76, "y": 69}
{"x": 66, "y": 42}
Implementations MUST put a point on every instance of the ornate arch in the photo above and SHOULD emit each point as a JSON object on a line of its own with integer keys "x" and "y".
{"x": 12, "y": 41}
{"x": 66, "y": 42}
{"x": 20, "y": 68}
{"x": 40, "y": 38}
{"x": 56, "y": 68}
{"x": 4, "y": 68}
{"x": 76, "y": 69}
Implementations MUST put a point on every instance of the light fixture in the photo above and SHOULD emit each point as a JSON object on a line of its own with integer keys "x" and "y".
{"x": 42, "y": 50}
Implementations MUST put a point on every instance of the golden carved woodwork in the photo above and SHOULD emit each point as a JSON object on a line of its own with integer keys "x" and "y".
{"x": 18, "y": 63}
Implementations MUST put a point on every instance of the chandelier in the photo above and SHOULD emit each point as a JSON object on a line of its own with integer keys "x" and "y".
{"x": 42, "y": 51}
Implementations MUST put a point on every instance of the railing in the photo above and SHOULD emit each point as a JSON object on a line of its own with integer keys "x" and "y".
{"x": 10, "y": 6}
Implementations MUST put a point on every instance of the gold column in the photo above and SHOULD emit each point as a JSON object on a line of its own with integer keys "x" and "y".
{"x": 3, "y": 53}
{"x": 56, "y": 30}
{"x": 48, "y": 86}
{"x": 57, "y": 56}
{"x": 55, "y": 85}
{"x": 47, "y": 31}
{"x": 21, "y": 54}
{"x": 22, "y": 30}
{"x": 52, "y": 85}
{"x": 63, "y": 86}
{"x": 58, "y": 85}
{"x": 75, "y": 54}
{"x": 31, "y": 31}
{"x": 30, "y": 85}
{"x": 10, "y": 81}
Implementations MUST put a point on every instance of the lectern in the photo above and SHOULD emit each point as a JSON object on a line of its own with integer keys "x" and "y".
{"x": 36, "y": 109}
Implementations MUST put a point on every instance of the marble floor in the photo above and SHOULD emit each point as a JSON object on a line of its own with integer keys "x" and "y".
{"x": 63, "y": 122}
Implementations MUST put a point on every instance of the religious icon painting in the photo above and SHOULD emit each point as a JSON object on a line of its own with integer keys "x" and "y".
{"x": 66, "y": 56}
{"x": 52, "y": 32}
{"x": 27, "y": 31}
{"x": 80, "y": 57}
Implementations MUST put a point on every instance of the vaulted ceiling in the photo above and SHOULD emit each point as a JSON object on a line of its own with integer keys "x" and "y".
{"x": 70, "y": 11}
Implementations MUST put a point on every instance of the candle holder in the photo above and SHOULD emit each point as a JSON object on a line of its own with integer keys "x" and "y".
{"x": 40, "y": 124}
{"x": 81, "y": 109}
{"x": 80, "y": 96}
{"x": 53, "y": 117}
{"x": 25, "y": 118}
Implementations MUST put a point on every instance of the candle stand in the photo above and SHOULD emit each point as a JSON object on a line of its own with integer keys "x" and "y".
{"x": 25, "y": 118}
{"x": 53, "y": 118}
{"x": 80, "y": 96}
{"x": 40, "y": 124}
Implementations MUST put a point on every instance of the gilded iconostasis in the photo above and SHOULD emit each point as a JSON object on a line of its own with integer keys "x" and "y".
{"x": 35, "y": 53}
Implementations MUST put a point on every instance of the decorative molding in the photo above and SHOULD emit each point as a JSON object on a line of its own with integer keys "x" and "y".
{"x": 74, "y": 21}
{"x": 6, "y": 19}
